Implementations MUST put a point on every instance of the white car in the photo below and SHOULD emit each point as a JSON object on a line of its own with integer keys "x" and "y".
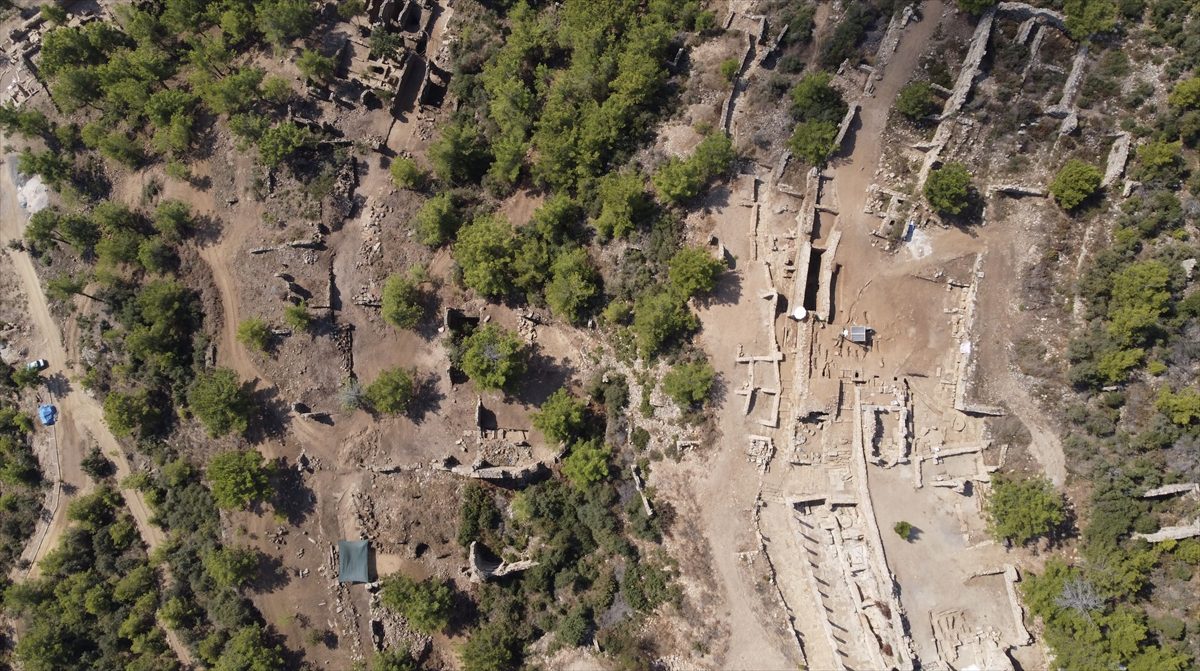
{"x": 37, "y": 364}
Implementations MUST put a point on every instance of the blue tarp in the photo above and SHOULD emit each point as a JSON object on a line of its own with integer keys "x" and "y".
{"x": 352, "y": 561}
{"x": 47, "y": 413}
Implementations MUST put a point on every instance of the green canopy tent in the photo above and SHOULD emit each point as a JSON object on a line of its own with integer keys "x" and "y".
{"x": 352, "y": 561}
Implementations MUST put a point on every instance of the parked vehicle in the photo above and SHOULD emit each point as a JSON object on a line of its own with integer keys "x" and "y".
{"x": 38, "y": 364}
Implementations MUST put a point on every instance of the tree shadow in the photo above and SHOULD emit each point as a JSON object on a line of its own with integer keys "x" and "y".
{"x": 727, "y": 292}
{"x": 544, "y": 376}
{"x": 206, "y": 230}
{"x": 271, "y": 416}
{"x": 57, "y": 384}
{"x": 293, "y": 499}
{"x": 426, "y": 398}
{"x": 271, "y": 575}
{"x": 463, "y": 614}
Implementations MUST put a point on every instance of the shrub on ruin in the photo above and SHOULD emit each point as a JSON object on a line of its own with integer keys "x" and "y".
{"x": 395, "y": 660}
{"x": 814, "y": 98}
{"x": 948, "y": 188}
{"x": 587, "y": 462}
{"x": 679, "y": 180}
{"x": 916, "y": 101}
{"x": 279, "y": 143}
{"x": 689, "y": 384}
{"x": 659, "y": 319}
{"x": 573, "y": 286}
{"x": 406, "y": 174}
{"x": 53, "y": 13}
{"x": 1089, "y": 17}
{"x": 976, "y": 7}
{"x": 426, "y": 605}
{"x": 1022, "y": 509}
{"x": 350, "y": 394}
{"x": 693, "y": 271}
{"x": 1181, "y": 407}
{"x": 813, "y": 142}
{"x": 561, "y": 417}
{"x": 238, "y": 478}
{"x": 1186, "y": 94}
{"x": 729, "y": 69}
{"x": 401, "y": 302}
{"x": 1075, "y": 183}
{"x": 255, "y": 334}
{"x": 1159, "y": 163}
{"x": 391, "y": 392}
{"x": 297, "y": 316}
{"x": 492, "y": 647}
{"x": 485, "y": 251}
{"x": 438, "y": 220}
{"x": 493, "y": 357}
{"x": 220, "y": 403}
{"x": 315, "y": 66}
{"x": 843, "y": 43}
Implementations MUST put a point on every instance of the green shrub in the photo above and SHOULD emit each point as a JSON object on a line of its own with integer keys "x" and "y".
{"x": 254, "y": 333}
{"x": 220, "y": 403}
{"x": 1181, "y": 407}
{"x": 561, "y": 417}
{"x": 689, "y": 384}
{"x": 438, "y": 220}
{"x": 401, "y": 302}
{"x": 916, "y": 101}
{"x": 238, "y": 478}
{"x": 1186, "y": 94}
{"x": 1159, "y": 163}
{"x": 694, "y": 270}
{"x": 904, "y": 530}
{"x": 425, "y": 604}
{"x": 232, "y": 567}
{"x": 623, "y": 203}
{"x": 297, "y": 316}
{"x": 948, "y": 188}
{"x": 391, "y": 392}
{"x": 1022, "y": 509}
{"x": 493, "y": 647}
{"x": 493, "y": 357}
{"x": 587, "y": 462}
{"x": 315, "y": 66}
{"x": 976, "y": 7}
{"x": 815, "y": 99}
{"x": 1089, "y": 17}
{"x": 813, "y": 142}
{"x": 1075, "y": 183}
{"x": 659, "y": 319}
{"x": 485, "y": 251}
{"x": 407, "y": 174}
{"x": 679, "y": 180}
{"x": 574, "y": 284}
{"x": 729, "y": 69}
